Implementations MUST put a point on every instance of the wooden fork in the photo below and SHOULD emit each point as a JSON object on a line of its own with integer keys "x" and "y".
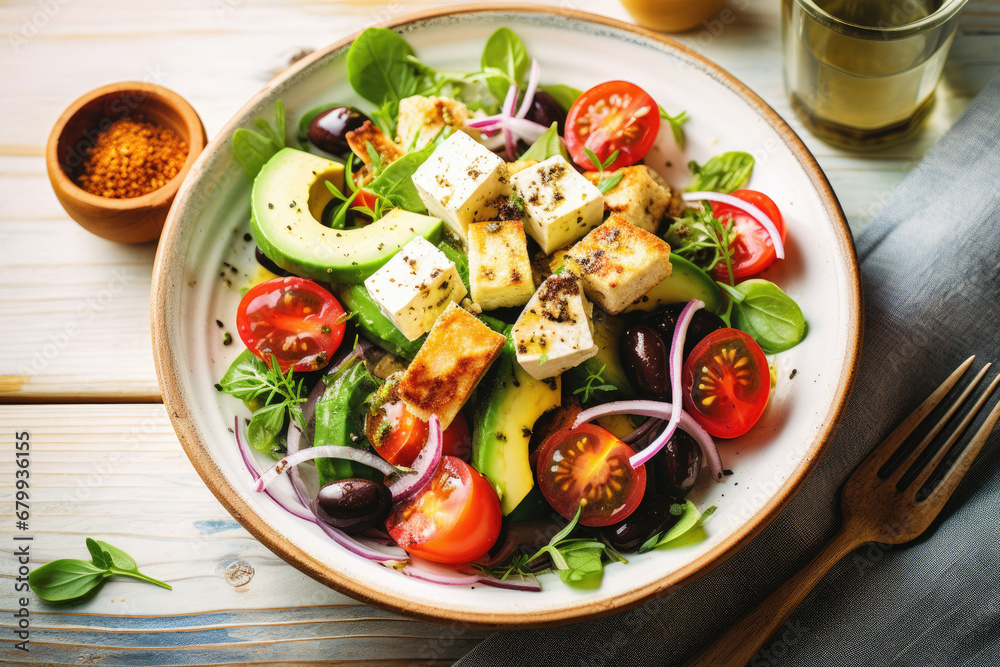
{"x": 879, "y": 504}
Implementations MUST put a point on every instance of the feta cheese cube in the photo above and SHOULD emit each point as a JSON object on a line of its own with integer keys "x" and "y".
{"x": 560, "y": 204}
{"x": 462, "y": 182}
{"x": 415, "y": 286}
{"x": 618, "y": 263}
{"x": 422, "y": 118}
{"x": 449, "y": 365}
{"x": 642, "y": 197}
{"x": 553, "y": 332}
{"x": 499, "y": 269}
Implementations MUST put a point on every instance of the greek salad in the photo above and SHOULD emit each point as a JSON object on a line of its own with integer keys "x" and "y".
{"x": 486, "y": 339}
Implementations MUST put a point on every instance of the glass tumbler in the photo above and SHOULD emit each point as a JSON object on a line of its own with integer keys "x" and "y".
{"x": 862, "y": 73}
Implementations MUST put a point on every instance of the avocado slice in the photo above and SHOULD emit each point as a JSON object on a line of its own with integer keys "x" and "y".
{"x": 287, "y": 202}
{"x": 684, "y": 283}
{"x": 608, "y": 331}
{"x": 509, "y": 403}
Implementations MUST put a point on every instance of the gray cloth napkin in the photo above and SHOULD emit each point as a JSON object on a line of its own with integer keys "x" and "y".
{"x": 930, "y": 264}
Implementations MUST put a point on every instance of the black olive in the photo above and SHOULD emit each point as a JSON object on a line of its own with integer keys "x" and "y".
{"x": 545, "y": 111}
{"x": 646, "y": 358}
{"x": 328, "y": 130}
{"x": 664, "y": 320}
{"x": 266, "y": 262}
{"x": 353, "y": 504}
{"x": 677, "y": 465}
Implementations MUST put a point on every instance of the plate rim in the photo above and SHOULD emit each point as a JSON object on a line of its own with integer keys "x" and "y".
{"x": 168, "y": 373}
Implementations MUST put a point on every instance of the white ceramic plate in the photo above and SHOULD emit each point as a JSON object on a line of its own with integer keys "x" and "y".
{"x": 193, "y": 287}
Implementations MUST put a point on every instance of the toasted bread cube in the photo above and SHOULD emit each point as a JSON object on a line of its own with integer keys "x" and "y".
{"x": 499, "y": 268}
{"x": 642, "y": 197}
{"x": 618, "y": 263}
{"x": 421, "y": 119}
{"x": 449, "y": 365}
{"x": 553, "y": 333}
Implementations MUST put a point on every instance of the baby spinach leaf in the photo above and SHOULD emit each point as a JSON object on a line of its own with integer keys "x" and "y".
{"x": 563, "y": 95}
{"x": 253, "y": 149}
{"x": 506, "y": 61}
{"x": 546, "y": 146}
{"x": 723, "y": 173}
{"x": 265, "y": 426}
{"x": 583, "y": 559}
{"x": 690, "y": 519}
{"x": 379, "y": 67}
{"x": 395, "y": 183}
{"x": 762, "y": 310}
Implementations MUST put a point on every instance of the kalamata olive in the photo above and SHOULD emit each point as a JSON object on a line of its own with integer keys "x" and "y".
{"x": 664, "y": 320}
{"x": 353, "y": 504}
{"x": 650, "y": 517}
{"x": 677, "y": 464}
{"x": 545, "y": 111}
{"x": 328, "y": 130}
{"x": 266, "y": 262}
{"x": 645, "y": 357}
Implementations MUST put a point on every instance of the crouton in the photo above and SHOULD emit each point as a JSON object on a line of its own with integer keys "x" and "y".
{"x": 618, "y": 263}
{"x": 359, "y": 139}
{"x": 422, "y": 118}
{"x": 499, "y": 269}
{"x": 641, "y": 197}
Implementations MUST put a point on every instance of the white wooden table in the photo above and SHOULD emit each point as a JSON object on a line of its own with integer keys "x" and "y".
{"x": 76, "y": 368}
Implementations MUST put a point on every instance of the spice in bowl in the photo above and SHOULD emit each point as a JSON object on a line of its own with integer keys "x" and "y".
{"x": 131, "y": 158}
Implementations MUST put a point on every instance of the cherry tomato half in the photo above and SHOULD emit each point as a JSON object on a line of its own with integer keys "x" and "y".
{"x": 726, "y": 383}
{"x": 753, "y": 248}
{"x": 365, "y": 199}
{"x": 455, "y": 519}
{"x": 590, "y": 465}
{"x": 407, "y": 435}
{"x": 612, "y": 116}
{"x": 292, "y": 318}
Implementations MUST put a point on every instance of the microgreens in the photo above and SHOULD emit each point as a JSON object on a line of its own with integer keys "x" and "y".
{"x": 676, "y": 123}
{"x": 604, "y": 184}
{"x": 594, "y": 383}
{"x": 579, "y": 558}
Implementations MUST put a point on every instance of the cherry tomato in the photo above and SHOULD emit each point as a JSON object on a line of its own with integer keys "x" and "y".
{"x": 455, "y": 519}
{"x": 365, "y": 199}
{"x": 726, "y": 382}
{"x": 407, "y": 435}
{"x": 753, "y": 248}
{"x": 612, "y": 116}
{"x": 589, "y": 465}
{"x": 293, "y": 319}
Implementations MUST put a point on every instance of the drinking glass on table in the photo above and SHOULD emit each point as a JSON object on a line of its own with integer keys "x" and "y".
{"x": 862, "y": 73}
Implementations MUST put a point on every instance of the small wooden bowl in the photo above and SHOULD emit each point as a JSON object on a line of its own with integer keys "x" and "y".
{"x": 134, "y": 220}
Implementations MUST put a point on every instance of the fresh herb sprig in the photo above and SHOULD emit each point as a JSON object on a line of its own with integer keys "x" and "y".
{"x": 70, "y": 579}
{"x": 676, "y": 125}
{"x": 594, "y": 383}
{"x": 517, "y": 566}
{"x": 275, "y": 394}
{"x": 706, "y": 232}
{"x": 604, "y": 184}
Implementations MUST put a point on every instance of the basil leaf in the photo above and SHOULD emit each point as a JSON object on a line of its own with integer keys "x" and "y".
{"x": 546, "y": 146}
{"x": 723, "y": 173}
{"x": 378, "y": 67}
{"x": 265, "y": 425}
{"x": 97, "y": 554}
{"x": 66, "y": 579}
{"x": 564, "y": 95}
{"x": 505, "y": 55}
{"x": 769, "y": 315}
{"x": 115, "y": 557}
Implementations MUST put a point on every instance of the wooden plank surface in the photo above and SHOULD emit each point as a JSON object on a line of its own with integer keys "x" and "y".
{"x": 117, "y": 473}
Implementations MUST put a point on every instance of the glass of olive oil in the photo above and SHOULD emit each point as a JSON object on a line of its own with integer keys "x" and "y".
{"x": 862, "y": 73}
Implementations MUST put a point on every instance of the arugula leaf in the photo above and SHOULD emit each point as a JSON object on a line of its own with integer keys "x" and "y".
{"x": 690, "y": 519}
{"x": 505, "y": 60}
{"x": 252, "y": 149}
{"x": 723, "y": 173}
{"x": 70, "y": 579}
{"x": 379, "y": 68}
{"x": 772, "y": 318}
{"x": 564, "y": 95}
{"x": 546, "y": 146}
{"x": 676, "y": 125}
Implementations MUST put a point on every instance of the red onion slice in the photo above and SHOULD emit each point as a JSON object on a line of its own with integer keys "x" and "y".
{"x": 529, "y": 92}
{"x": 425, "y": 570}
{"x": 660, "y": 410}
{"x": 676, "y": 359}
{"x": 507, "y": 113}
{"x": 736, "y": 202}
{"x": 376, "y": 553}
{"x": 424, "y": 466}
{"x": 326, "y": 451}
{"x": 513, "y": 583}
{"x": 248, "y": 462}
